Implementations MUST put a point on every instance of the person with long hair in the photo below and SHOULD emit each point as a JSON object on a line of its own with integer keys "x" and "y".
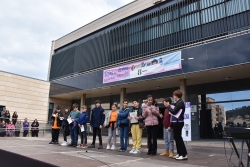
{"x": 7, "y": 117}
{"x": 34, "y": 128}
{"x": 178, "y": 124}
{"x": 18, "y": 128}
{"x": 150, "y": 111}
{"x": 111, "y": 124}
{"x": 14, "y": 117}
{"x": 3, "y": 129}
{"x": 65, "y": 126}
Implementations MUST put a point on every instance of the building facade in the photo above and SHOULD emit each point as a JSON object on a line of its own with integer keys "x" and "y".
{"x": 119, "y": 56}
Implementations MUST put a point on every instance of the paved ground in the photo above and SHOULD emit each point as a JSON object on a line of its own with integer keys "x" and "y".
{"x": 200, "y": 153}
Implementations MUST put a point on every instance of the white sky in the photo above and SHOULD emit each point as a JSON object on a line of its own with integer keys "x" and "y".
{"x": 27, "y": 28}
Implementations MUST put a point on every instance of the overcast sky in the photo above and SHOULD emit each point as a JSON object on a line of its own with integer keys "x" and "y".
{"x": 27, "y": 28}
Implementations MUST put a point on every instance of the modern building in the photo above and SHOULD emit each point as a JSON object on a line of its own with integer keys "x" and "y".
{"x": 155, "y": 47}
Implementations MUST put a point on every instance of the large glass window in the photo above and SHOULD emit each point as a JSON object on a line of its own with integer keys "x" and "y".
{"x": 236, "y": 6}
{"x": 213, "y": 13}
{"x": 208, "y": 3}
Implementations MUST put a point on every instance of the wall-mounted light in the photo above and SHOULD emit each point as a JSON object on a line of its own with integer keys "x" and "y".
{"x": 190, "y": 58}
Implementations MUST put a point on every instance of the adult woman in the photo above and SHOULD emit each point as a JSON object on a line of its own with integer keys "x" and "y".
{"x": 3, "y": 129}
{"x": 7, "y": 116}
{"x": 110, "y": 122}
{"x": 150, "y": 111}
{"x": 178, "y": 124}
{"x": 14, "y": 117}
{"x": 34, "y": 128}
{"x": 18, "y": 128}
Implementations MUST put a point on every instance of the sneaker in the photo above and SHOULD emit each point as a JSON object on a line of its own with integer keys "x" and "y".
{"x": 180, "y": 158}
{"x": 63, "y": 143}
{"x": 84, "y": 146}
{"x": 113, "y": 147}
{"x": 177, "y": 156}
{"x": 91, "y": 146}
{"x": 108, "y": 147}
{"x": 132, "y": 150}
{"x": 71, "y": 145}
{"x": 137, "y": 151}
{"x": 124, "y": 150}
{"x": 79, "y": 146}
{"x": 100, "y": 147}
{"x": 74, "y": 145}
{"x": 51, "y": 142}
{"x": 120, "y": 150}
{"x": 56, "y": 142}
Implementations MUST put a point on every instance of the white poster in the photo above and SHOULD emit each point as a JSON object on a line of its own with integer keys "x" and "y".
{"x": 186, "y": 131}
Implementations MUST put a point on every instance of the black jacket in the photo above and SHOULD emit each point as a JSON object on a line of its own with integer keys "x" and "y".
{"x": 178, "y": 105}
{"x": 59, "y": 122}
{"x": 65, "y": 117}
{"x": 34, "y": 126}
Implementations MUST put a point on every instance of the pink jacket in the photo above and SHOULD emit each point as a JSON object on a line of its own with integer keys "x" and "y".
{"x": 150, "y": 113}
{"x": 11, "y": 127}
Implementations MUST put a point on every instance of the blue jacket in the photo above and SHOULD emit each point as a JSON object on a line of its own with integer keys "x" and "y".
{"x": 97, "y": 117}
{"x": 123, "y": 117}
{"x": 83, "y": 118}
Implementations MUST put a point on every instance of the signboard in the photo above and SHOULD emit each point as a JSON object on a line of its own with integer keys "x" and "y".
{"x": 186, "y": 130}
{"x": 164, "y": 63}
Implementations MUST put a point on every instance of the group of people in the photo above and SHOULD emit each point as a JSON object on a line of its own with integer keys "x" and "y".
{"x": 136, "y": 118}
{"x": 11, "y": 126}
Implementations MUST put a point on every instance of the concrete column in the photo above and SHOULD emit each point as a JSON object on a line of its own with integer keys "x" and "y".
{"x": 122, "y": 96}
{"x": 83, "y": 100}
{"x": 183, "y": 89}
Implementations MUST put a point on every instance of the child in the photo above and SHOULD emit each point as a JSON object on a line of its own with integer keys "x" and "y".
{"x": 65, "y": 126}
{"x": 83, "y": 122}
{"x": 135, "y": 128}
{"x": 18, "y": 127}
{"x": 168, "y": 131}
{"x": 123, "y": 123}
{"x": 56, "y": 125}
{"x": 97, "y": 121}
{"x": 74, "y": 115}
{"x": 11, "y": 129}
{"x": 110, "y": 122}
{"x": 26, "y": 125}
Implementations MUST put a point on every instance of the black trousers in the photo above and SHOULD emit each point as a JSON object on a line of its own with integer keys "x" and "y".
{"x": 152, "y": 139}
{"x": 65, "y": 131}
{"x": 17, "y": 133}
{"x": 34, "y": 133}
{"x": 83, "y": 135}
{"x": 97, "y": 131}
{"x": 25, "y": 132}
{"x": 55, "y": 135}
{"x": 180, "y": 146}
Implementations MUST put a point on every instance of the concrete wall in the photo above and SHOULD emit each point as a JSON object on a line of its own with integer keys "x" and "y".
{"x": 27, "y": 96}
{"x": 60, "y": 102}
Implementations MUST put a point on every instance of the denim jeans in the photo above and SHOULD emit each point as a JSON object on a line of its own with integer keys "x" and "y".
{"x": 169, "y": 139}
{"x": 124, "y": 137}
{"x": 74, "y": 134}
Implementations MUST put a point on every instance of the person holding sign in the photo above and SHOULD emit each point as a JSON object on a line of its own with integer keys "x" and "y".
{"x": 82, "y": 123}
{"x": 56, "y": 125}
{"x": 178, "y": 123}
{"x": 150, "y": 112}
{"x": 135, "y": 116}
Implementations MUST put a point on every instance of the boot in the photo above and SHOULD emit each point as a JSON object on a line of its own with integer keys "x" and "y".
{"x": 165, "y": 153}
{"x": 171, "y": 154}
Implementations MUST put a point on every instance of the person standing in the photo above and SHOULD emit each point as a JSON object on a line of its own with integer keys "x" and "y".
{"x": 18, "y": 128}
{"x": 150, "y": 112}
{"x": 3, "y": 129}
{"x": 2, "y": 114}
{"x": 73, "y": 127}
{"x": 26, "y": 125}
{"x": 111, "y": 123}
{"x": 97, "y": 121}
{"x": 65, "y": 126}
{"x": 168, "y": 131}
{"x": 178, "y": 124}
{"x": 14, "y": 117}
{"x": 56, "y": 125}
{"x": 136, "y": 130}
{"x": 123, "y": 123}
{"x": 10, "y": 129}
{"x": 7, "y": 116}
{"x": 34, "y": 128}
{"x": 82, "y": 123}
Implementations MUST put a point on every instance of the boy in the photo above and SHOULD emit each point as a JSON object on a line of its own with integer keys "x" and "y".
{"x": 56, "y": 125}
{"x": 168, "y": 131}
{"x": 135, "y": 128}
{"x": 123, "y": 123}
{"x": 82, "y": 122}
{"x": 74, "y": 115}
{"x": 97, "y": 121}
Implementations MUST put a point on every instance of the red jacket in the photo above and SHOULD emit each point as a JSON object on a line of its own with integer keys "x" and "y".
{"x": 166, "y": 120}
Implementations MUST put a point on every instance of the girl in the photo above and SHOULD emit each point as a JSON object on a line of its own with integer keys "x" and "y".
{"x": 34, "y": 128}
{"x": 56, "y": 125}
{"x": 7, "y": 117}
{"x": 3, "y": 129}
{"x": 18, "y": 127}
{"x": 150, "y": 112}
{"x": 110, "y": 122}
{"x": 65, "y": 126}
{"x": 178, "y": 124}
{"x": 14, "y": 117}
{"x": 11, "y": 129}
